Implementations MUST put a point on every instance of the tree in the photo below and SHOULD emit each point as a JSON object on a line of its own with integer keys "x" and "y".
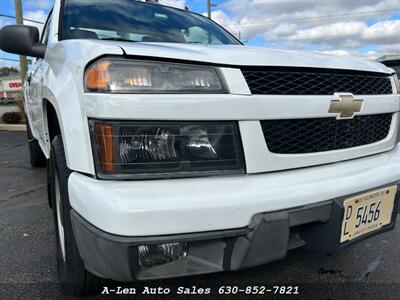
{"x": 7, "y": 71}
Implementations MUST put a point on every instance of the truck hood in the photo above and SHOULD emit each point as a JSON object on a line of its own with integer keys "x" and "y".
{"x": 238, "y": 55}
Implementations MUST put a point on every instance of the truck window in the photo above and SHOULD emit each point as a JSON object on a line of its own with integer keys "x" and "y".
{"x": 138, "y": 22}
{"x": 46, "y": 30}
{"x": 197, "y": 35}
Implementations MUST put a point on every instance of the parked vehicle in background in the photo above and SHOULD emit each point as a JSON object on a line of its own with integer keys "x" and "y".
{"x": 8, "y": 101}
{"x": 174, "y": 150}
{"x": 392, "y": 61}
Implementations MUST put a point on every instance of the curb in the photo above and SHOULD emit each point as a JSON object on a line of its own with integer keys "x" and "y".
{"x": 10, "y": 127}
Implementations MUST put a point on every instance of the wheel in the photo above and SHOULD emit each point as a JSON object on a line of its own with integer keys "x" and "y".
{"x": 72, "y": 274}
{"x": 38, "y": 160}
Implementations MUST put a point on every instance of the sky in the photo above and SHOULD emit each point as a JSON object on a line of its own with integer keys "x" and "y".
{"x": 363, "y": 28}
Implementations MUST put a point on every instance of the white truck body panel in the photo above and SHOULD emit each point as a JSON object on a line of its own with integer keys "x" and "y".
{"x": 210, "y": 203}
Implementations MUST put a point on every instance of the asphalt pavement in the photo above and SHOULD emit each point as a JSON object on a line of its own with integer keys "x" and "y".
{"x": 367, "y": 270}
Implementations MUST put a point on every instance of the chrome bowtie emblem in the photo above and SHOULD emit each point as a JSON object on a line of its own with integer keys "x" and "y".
{"x": 345, "y": 105}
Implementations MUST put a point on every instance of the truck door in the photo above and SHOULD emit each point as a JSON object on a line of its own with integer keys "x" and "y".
{"x": 35, "y": 80}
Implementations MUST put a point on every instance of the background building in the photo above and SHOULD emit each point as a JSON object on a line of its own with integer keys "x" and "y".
{"x": 11, "y": 87}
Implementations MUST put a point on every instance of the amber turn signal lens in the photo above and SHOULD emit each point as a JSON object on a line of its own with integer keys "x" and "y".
{"x": 97, "y": 77}
{"x": 104, "y": 136}
{"x": 129, "y": 76}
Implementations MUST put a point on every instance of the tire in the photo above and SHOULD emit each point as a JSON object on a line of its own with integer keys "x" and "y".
{"x": 72, "y": 274}
{"x": 38, "y": 160}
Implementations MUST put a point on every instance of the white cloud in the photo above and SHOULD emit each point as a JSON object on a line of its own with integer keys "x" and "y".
{"x": 37, "y": 15}
{"x": 221, "y": 17}
{"x": 39, "y": 4}
{"x": 324, "y": 25}
{"x": 342, "y": 30}
{"x": 282, "y": 30}
{"x": 353, "y": 34}
{"x": 394, "y": 48}
{"x": 339, "y": 52}
{"x": 174, "y": 3}
{"x": 372, "y": 55}
{"x": 383, "y": 32}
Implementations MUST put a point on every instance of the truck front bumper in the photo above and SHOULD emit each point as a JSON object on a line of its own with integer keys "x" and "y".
{"x": 177, "y": 206}
{"x": 268, "y": 237}
{"x": 228, "y": 223}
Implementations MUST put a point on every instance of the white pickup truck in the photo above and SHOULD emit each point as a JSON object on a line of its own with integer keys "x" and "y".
{"x": 174, "y": 150}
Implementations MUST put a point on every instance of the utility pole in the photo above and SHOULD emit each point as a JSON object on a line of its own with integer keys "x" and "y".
{"x": 23, "y": 63}
{"x": 209, "y": 8}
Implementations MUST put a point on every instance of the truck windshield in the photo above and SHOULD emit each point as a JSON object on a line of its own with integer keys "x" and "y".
{"x": 134, "y": 21}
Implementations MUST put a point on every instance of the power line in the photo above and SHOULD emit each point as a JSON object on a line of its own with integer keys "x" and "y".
{"x": 277, "y": 1}
{"x": 310, "y": 19}
{"x": 270, "y": 2}
{"x": 13, "y": 17}
{"x": 9, "y": 59}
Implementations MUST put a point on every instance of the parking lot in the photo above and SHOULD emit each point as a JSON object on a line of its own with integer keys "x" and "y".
{"x": 370, "y": 269}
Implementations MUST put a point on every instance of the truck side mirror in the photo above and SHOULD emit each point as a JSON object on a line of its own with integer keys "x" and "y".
{"x": 22, "y": 40}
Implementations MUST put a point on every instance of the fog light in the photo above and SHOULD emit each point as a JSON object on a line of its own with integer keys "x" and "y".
{"x": 159, "y": 254}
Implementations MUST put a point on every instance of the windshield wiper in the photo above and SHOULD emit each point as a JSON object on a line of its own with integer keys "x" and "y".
{"x": 118, "y": 39}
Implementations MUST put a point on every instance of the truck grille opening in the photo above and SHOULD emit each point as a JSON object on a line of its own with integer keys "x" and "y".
{"x": 300, "y": 136}
{"x": 282, "y": 81}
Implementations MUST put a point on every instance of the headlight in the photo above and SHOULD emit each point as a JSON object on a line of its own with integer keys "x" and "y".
{"x": 131, "y": 76}
{"x": 166, "y": 149}
{"x": 397, "y": 83}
